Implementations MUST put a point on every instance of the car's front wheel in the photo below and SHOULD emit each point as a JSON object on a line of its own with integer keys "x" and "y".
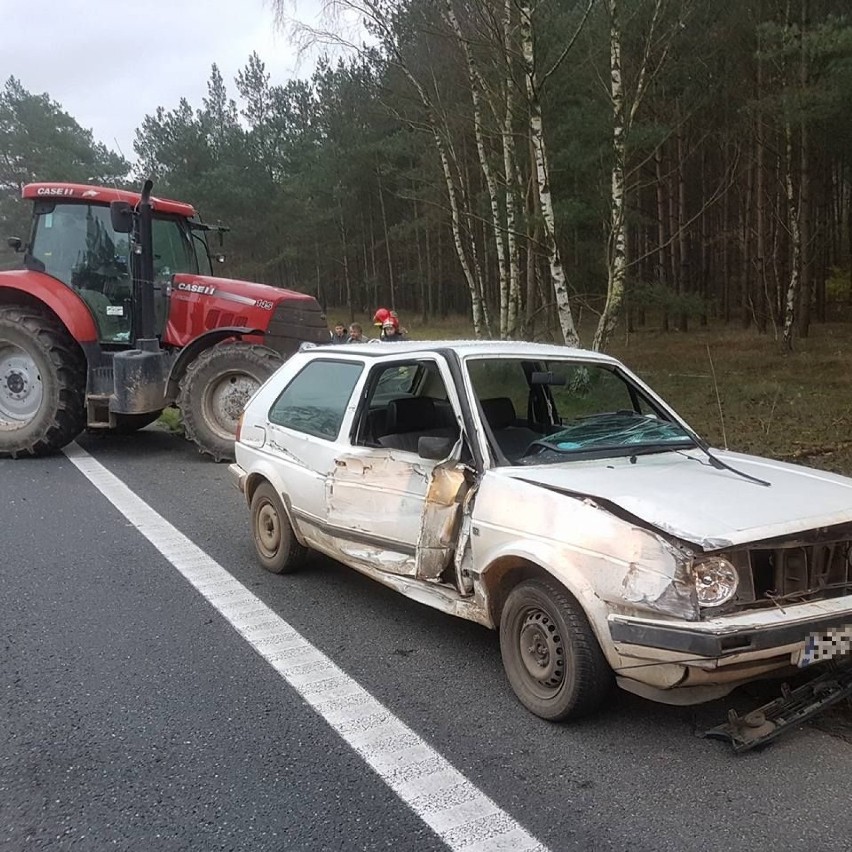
{"x": 551, "y": 656}
{"x": 275, "y": 543}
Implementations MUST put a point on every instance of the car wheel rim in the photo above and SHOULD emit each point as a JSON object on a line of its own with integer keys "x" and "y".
{"x": 542, "y": 652}
{"x": 226, "y": 400}
{"x": 21, "y": 388}
{"x": 268, "y": 530}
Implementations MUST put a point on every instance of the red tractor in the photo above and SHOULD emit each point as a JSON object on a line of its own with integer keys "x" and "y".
{"x": 116, "y": 315}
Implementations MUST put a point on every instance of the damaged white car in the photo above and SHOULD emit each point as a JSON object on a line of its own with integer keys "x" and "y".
{"x": 549, "y": 493}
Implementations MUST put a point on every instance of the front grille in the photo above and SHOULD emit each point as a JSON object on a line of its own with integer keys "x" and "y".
{"x": 793, "y": 573}
{"x": 296, "y": 321}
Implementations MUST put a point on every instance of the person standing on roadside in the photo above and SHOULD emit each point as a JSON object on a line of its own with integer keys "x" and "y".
{"x": 391, "y": 332}
{"x": 356, "y": 334}
{"x": 338, "y": 334}
{"x": 388, "y": 321}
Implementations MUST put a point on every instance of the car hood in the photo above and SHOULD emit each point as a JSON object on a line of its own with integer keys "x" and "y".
{"x": 681, "y": 494}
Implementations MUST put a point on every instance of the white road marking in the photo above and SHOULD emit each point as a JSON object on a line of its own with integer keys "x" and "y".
{"x": 454, "y": 808}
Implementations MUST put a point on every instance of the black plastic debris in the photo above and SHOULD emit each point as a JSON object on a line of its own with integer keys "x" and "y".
{"x": 795, "y": 706}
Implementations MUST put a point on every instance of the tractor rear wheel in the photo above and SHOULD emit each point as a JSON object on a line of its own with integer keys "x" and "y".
{"x": 42, "y": 384}
{"x": 215, "y": 389}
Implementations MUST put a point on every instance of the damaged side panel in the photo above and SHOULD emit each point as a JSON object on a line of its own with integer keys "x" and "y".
{"x": 439, "y": 522}
{"x": 628, "y": 567}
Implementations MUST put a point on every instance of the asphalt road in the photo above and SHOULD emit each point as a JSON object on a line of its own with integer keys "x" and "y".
{"x": 133, "y": 716}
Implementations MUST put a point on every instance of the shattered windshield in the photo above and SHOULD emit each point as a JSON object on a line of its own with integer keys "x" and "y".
{"x": 616, "y": 430}
{"x": 542, "y": 412}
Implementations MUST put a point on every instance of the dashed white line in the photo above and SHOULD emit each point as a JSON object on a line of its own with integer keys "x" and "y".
{"x": 454, "y": 808}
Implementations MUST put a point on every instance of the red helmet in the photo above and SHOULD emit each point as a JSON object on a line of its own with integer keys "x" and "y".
{"x": 381, "y": 315}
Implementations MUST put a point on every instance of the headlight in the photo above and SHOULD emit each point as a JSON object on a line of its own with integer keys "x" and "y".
{"x": 715, "y": 579}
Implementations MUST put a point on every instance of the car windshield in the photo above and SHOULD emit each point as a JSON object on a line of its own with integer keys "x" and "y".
{"x": 541, "y": 412}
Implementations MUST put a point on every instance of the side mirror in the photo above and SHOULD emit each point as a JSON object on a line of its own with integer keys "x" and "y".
{"x": 121, "y": 217}
{"x": 435, "y": 449}
{"x": 14, "y": 243}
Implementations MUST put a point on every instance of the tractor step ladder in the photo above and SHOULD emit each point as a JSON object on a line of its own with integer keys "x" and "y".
{"x": 98, "y": 415}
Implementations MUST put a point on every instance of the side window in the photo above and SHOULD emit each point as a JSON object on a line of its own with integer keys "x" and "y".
{"x": 405, "y": 402}
{"x": 172, "y": 250}
{"x": 202, "y": 255}
{"x": 77, "y": 245}
{"x": 315, "y": 400}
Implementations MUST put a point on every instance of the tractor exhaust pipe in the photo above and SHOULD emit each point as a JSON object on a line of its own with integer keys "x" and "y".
{"x": 144, "y": 325}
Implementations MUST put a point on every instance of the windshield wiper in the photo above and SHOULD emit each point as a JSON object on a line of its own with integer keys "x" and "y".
{"x": 716, "y": 462}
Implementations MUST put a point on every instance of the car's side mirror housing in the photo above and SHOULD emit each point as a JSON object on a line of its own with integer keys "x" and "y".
{"x": 434, "y": 448}
{"x": 14, "y": 243}
{"x": 121, "y": 217}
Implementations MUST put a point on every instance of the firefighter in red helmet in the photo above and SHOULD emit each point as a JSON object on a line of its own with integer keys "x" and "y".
{"x": 389, "y": 323}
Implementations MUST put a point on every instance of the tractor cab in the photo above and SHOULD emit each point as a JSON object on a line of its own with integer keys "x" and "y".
{"x": 74, "y": 240}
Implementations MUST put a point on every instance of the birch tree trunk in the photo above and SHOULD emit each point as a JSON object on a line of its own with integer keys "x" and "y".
{"x": 475, "y": 81}
{"x": 795, "y": 239}
{"x": 512, "y": 178}
{"x": 616, "y": 248}
{"x": 557, "y": 270}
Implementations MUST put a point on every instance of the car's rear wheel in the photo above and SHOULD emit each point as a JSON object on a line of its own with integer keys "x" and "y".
{"x": 276, "y": 546}
{"x": 551, "y": 656}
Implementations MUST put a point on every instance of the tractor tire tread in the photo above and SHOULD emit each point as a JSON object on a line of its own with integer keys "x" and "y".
{"x": 69, "y": 416}
{"x": 194, "y": 427}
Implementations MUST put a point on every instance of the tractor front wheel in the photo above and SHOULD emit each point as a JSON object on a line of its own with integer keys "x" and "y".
{"x": 215, "y": 389}
{"x": 42, "y": 384}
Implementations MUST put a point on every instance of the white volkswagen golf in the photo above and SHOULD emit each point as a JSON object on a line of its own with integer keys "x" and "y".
{"x": 549, "y": 493}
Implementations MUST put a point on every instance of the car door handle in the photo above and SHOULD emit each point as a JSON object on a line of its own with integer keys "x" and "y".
{"x": 340, "y": 462}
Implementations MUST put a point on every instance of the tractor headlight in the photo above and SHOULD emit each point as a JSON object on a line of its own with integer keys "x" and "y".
{"x": 715, "y": 579}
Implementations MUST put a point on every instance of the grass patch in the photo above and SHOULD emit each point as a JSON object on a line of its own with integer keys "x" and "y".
{"x": 171, "y": 420}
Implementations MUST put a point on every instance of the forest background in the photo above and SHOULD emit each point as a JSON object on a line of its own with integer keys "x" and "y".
{"x": 670, "y": 180}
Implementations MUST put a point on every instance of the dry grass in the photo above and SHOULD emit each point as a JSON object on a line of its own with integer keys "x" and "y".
{"x": 795, "y": 406}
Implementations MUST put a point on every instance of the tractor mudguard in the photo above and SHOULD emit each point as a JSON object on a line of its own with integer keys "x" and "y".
{"x": 68, "y": 307}
{"x": 193, "y": 349}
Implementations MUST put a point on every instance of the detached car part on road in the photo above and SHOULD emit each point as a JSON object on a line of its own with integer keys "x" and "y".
{"x": 549, "y": 493}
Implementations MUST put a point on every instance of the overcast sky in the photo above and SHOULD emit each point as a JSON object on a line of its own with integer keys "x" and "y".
{"x": 111, "y": 63}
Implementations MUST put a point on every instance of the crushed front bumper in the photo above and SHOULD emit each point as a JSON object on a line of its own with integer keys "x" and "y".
{"x": 725, "y": 650}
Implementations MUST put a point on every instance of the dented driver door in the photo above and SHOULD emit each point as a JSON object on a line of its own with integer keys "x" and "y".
{"x": 394, "y": 510}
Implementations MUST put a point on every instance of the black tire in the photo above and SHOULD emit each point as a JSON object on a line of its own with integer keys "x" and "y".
{"x": 215, "y": 389}
{"x": 552, "y": 658}
{"x": 275, "y": 543}
{"x": 42, "y": 384}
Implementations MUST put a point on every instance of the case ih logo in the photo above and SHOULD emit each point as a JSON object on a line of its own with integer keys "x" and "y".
{"x": 203, "y": 289}
{"x": 54, "y": 190}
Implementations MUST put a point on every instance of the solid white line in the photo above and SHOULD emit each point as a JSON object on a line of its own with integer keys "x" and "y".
{"x": 456, "y": 810}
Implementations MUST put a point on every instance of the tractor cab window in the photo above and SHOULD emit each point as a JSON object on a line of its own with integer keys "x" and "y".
{"x": 75, "y": 243}
{"x": 202, "y": 252}
{"x": 173, "y": 253}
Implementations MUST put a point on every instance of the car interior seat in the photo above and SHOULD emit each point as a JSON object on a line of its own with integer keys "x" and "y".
{"x": 510, "y": 437}
{"x": 411, "y": 418}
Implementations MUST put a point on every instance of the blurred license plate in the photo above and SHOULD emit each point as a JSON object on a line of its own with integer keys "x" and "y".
{"x": 828, "y": 645}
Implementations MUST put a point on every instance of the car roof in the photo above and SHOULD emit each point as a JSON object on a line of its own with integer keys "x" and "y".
{"x": 465, "y": 349}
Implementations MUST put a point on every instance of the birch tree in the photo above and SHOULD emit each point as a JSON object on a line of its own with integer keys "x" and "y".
{"x": 654, "y": 53}
{"x": 559, "y": 279}
{"x": 382, "y": 19}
